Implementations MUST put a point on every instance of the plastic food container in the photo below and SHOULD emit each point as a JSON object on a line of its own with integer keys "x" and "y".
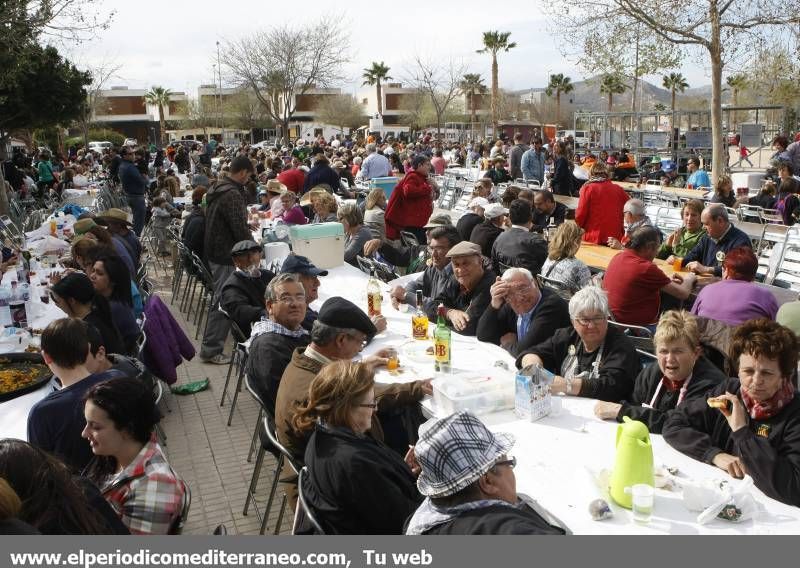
{"x": 480, "y": 394}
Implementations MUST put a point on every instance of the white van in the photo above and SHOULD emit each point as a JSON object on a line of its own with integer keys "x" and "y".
{"x": 581, "y": 137}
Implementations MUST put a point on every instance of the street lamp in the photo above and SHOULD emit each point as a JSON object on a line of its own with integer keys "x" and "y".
{"x": 221, "y": 109}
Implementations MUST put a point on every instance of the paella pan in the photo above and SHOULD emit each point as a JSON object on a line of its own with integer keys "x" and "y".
{"x": 21, "y": 373}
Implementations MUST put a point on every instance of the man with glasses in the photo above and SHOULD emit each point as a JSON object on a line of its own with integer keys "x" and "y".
{"x": 242, "y": 294}
{"x": 436, "y": 275}
{"x": 533, "y": 162}
{"x": 520, "y": 315}
{"x": 467, "y": 477}
{"x": 340, "y": 333}
{"x": 274, "y": 340}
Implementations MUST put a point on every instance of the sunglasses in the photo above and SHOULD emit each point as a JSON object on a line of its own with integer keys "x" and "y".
{"x": 372, "y": 405}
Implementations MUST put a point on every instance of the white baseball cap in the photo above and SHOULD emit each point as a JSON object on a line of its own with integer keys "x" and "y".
{"x": 481, "y": 202}
{"x": 494, "y": 210}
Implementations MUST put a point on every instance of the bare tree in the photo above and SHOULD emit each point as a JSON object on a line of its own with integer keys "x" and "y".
{"x": 721, "y": 29}
{"x": 343, "y": 111}
{"x": 284, "y": 63}
{"x": 246, "y": 111}
{"x": 196, "y": 116}
{"x": 54, "y": 20}
{"x": 440, "y": 82}
{"x": 95, "y": 103}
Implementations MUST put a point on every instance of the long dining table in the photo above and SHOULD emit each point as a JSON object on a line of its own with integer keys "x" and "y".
{"x": 560, "y": 458}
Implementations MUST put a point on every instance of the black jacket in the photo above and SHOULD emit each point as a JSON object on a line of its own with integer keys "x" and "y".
{"x": 562, "y": 181}
{"x": 466, "y": 223}
{"x": 496, "y": 519}
{"x": 519, "y": 248}
{"x": 473, "y": 303}
{"x": 268, "y": 356}
{"x": 618, "y": 367}
{"x": 542, "y": 220}
{"x": 357, "y": 485}
{"x": 705, "y": 376}
{"x": 226, "y": 220}
{"x": 769, "y": 449}
{"x": 243, "y": 298}
{"x": 133, "y": 183}
{"x": 551, "y": 314}
{"x": 484, "y": 234}
{"x": 194, "y": 229}
{"x": 321, "y": 174}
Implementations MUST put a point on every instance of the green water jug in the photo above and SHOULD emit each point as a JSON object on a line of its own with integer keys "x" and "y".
{"x": 634, "y": 461}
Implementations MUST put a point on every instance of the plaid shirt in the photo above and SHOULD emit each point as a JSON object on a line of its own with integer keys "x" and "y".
{"x": 147, "y": 495}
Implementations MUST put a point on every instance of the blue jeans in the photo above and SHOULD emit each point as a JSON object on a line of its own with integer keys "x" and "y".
{"x": 137, "y": 206}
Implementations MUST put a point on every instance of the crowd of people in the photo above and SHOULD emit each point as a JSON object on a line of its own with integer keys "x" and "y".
{"x": 506, "y": 272}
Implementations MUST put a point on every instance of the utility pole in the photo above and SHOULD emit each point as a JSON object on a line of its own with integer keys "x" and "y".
{"x": 221, "y": 107}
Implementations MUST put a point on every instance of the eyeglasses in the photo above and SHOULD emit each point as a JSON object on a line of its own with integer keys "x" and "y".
{"x": 372, "y": 405}
{"x": 512, "y": 463}
{"x": 289, "y": 299}
{"x": 590, "y": 321}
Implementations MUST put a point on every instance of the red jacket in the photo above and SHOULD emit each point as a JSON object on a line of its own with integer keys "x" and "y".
{"x": 410, "y": 204}
{"x": 600, "y": 211}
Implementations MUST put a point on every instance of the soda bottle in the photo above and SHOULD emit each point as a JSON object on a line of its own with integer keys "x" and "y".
{"x": 419, "y": 321}
{"x": 5, "y": 310}
{"x": 441, "y": 341}
{"x": 374, "y": 297}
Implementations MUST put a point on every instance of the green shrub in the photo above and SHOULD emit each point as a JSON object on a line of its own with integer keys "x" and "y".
{"x": 97, "y": 135}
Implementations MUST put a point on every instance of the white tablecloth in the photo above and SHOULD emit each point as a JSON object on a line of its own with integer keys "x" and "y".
{"x": 555, "y": 454}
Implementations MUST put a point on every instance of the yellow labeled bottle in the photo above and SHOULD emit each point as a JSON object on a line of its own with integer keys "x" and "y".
{"x": 419, "y": 321}
{"x": 441, "y": 341}
{"x": 374, "y": 297}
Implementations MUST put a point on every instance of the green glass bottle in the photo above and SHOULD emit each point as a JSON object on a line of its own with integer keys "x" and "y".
{"x": 441, "y": 341}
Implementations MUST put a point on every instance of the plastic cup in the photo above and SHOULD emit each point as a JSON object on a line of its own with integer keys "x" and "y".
{"x": 394, "y": 360}
{"x": 643, "y": 497}
{"x": 677, "y": 264}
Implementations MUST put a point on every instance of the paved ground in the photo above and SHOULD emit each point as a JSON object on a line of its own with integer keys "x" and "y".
{"x": 208, "y": 454}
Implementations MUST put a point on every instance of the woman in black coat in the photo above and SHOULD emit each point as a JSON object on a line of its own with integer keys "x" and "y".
{"x": 749, "y": 425}
{"x": 561, "y": 182}
{"x": 355, "y": 484}
{"x": 681, "y": 374}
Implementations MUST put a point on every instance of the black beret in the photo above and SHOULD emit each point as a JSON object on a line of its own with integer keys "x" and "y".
{"x": 338, "y": 312}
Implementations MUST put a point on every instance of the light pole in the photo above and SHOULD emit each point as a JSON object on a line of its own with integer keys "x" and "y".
{"x": 221, "y": 109}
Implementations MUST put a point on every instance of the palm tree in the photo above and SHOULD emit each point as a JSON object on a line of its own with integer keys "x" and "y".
{"x": 559, "y": 83}
{"x": 659, "y": 107}
{"x": 737, "y": 84}
{"x": 159, "y": 96}
{"x": 612, "y": 85}
{"x": 494, "y": 42}
{"x": 674, "y": 83}
{"x": 373, "y": 76}
{"x": 470, "y": 85}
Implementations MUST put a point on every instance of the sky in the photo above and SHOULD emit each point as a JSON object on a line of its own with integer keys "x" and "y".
{"x": 154, "y": 44}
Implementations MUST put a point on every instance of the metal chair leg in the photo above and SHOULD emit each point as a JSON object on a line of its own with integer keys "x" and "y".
{"x": 234, "y": 356}
{"x": 239, "y": 382}
{"x": 273, "y": 489}
{"x": 254, "y": 479}
{"x": 255, "y": 435}
{"x": 280, "y": 514}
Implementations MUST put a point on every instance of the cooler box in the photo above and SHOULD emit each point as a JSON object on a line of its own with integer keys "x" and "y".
{"x": 322, "y": 243}
{"x": 387, "y": 184}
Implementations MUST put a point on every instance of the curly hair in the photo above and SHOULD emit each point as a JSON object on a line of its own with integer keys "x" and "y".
{"x": 768, "y": 339}
{"x": 677, "y": 325}
{"x": 566, "y": 242}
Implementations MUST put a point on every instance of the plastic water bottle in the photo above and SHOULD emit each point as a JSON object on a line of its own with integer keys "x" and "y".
{"x": 5, "y": 310}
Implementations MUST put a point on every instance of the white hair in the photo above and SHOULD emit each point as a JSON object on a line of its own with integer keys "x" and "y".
{"x": 511, "y": 272}
{"x": 589, "y": 299}
{"x": 634, "y": 207}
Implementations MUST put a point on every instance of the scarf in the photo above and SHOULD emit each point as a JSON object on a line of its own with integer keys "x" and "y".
{"x": 672, "y": 386}
{"x": 768, "y": 408}
{"x": 269, "y": 326}
{"x": 597, "y": 179}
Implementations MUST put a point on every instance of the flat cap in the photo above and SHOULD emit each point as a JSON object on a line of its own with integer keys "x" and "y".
{"x": 243, "y": 247}
{"x": 464, "y": 248}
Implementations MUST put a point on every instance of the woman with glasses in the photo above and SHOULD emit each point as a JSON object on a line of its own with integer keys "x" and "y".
{"x": 355, "y": 484}
{"x": 588, "y": 359}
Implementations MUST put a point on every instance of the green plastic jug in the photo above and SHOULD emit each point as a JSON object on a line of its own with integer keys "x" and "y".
{"x": 634, "y": 461}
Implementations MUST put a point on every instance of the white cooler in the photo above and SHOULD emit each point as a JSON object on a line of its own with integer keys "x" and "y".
{"x": 321, "y": 243}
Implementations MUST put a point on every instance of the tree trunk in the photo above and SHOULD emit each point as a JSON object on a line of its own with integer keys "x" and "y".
{"x": 610, "y": 101}
{"x": 672, "y": 119}
{"x": 635, "y": 74}
{"x": 719, "y": 163}
{"x": 4, "y": 205}
{"x": 380, "y": 98}
{"x": 558, "y": 107}
{"x": 472, "y": 114}
{"x": 495, "y": 96}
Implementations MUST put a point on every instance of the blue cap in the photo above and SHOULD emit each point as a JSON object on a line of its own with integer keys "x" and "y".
{"x": 669, "y": 166}
{"x": 301, "y": 265}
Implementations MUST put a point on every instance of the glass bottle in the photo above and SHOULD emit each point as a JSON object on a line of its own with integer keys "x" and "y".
{"x": 374, "y": 297}
{"x": 419, "y": 321}
{"x": 441, "y": 341}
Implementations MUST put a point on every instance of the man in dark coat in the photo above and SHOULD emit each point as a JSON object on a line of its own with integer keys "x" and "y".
{"x": 547, "y": 210}
{"x": 321, "y": 173}
{"x": 485, "y": 233}
{"x": 226, "y": 225}
{"x": 242, "y": 295}
{"x": 520, "y": 315}
{"x": 518, "y": 246}
{"x": 468, "y": 479}
{"x": 274, "y": 340}
{"x": 472, "y": 218}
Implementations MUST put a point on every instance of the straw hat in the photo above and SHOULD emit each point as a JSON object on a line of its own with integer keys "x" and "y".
{"x": 114, "y": 214}
{"x": 276, "y": 187}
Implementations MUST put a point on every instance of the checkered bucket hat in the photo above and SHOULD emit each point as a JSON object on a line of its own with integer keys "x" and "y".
{"x": 454, "y": 452}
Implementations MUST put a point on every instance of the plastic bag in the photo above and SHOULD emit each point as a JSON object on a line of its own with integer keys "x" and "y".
{"x": 191, "y": 388}
{"x": 731, "y": 501}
